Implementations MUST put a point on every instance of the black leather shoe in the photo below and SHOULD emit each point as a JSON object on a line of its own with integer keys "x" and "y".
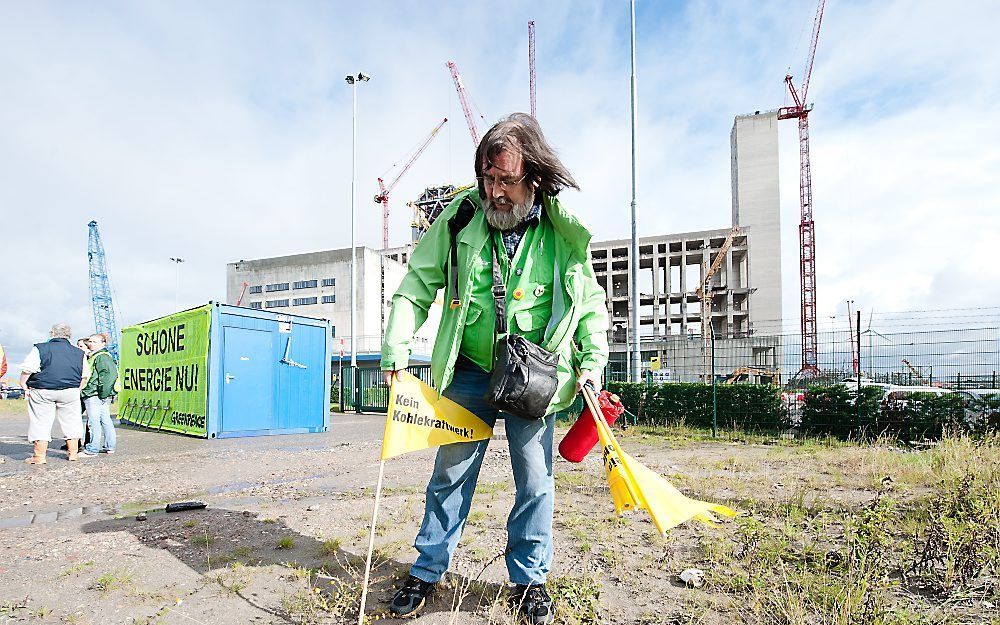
{"x": 409, "y": 599}
{"x": 533, "y": 604}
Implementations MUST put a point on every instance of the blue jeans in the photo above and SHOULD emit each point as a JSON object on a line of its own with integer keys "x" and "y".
{"x": 456, "y": 471}
{"x": 99, "y": 422}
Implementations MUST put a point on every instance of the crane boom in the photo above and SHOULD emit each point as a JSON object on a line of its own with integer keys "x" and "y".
{"x": 807, "y": 228}
{"x": 704, "y": 293}
{"x": 105, "y": 319}
{"x": 531, "y": 64}
{"x": 463, "y": 98}
{"x": 383, "y": 189}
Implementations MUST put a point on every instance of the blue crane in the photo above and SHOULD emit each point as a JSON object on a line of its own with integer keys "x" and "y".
{"x": 105, "y": 319}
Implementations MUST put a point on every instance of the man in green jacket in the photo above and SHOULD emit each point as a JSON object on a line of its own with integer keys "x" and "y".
{"x": 553, "y": 300}
{"x": 97, "y": 395}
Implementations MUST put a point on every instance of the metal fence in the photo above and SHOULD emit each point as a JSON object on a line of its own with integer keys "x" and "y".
{"x": 950, "y": 358}
{"x": 910, "y": 383}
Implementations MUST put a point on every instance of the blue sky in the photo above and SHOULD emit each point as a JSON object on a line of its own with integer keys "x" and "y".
{"x": 220, "y": 131}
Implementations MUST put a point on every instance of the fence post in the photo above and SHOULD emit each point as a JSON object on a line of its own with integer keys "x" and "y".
{"x": 857, "y": 399}
{"x": 356, "y": 378}
{"x": 715, "y": 403}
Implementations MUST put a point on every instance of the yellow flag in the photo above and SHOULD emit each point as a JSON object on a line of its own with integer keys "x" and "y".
{"x": 635, "y": 486}
{"x": 418, "y": 419}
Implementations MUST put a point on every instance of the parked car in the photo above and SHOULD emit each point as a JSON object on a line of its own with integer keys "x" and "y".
{"x": 12, "y": 392}
{"x": 982, "y": 407}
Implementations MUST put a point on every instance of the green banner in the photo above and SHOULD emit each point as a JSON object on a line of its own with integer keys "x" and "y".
{"x": 164, "y": 372}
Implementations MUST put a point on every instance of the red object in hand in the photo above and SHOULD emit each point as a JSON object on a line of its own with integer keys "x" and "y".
{"x": 582, "y": 437}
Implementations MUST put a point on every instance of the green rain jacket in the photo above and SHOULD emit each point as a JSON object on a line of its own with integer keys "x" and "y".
{"x": 103, "y": 373}
{"x": 576, "y": 323}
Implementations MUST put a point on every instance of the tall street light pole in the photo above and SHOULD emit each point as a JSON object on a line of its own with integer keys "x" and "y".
{"x": 634, "y": 293}
{"x": 177, "y": 280}
{"x": 353, "y": 81}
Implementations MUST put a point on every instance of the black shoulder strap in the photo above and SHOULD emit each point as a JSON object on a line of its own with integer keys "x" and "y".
{"x": 499, "y": 295}
{"x": 461, "y": 219}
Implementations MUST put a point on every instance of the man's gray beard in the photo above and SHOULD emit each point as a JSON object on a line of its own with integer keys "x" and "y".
{"x": 506, "y": 219}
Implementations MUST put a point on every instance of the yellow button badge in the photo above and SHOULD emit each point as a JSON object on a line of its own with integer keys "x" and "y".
{"x": 518, "y": 293}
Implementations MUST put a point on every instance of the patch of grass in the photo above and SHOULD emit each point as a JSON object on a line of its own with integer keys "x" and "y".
{"x": 574, "y": 479}
{"x": 476, "y": 517}
{"x": 329, "y": 547}
{"x": 190, "y": 523}
{"x": 285, "y": 542}
{"x": 477, "y": 554}
{"x": 41, "y": 611}
{"x": 382, "y": 554}
{"x": 11, "y": 607}
{"x": 242, "y": 554}
{"x": 202, "y": 540}
{"x": 76, "y": 568}
{"x": 315, "y": 605}
{"x": 13, "y": 407}
{"x": 576, "y": 599}
{"x": 490, "y": 488}
{"x": 74, "y": 618}
{"x": 114, "y": 580}
{"x": 897, "y": 559}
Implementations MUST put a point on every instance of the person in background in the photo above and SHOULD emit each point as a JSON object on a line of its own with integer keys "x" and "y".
{"x": 98, "y": 394}
{"x": 82, "y": 344}
{"x": 52, "y": 375}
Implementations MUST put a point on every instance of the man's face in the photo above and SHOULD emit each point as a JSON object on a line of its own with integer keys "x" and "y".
{"x": 504, "y": 180}
{"x": 96, "y": 342}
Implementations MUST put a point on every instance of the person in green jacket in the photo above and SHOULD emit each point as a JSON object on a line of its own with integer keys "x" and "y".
{"x": 553, "y": 300}
{"x": 97, "y": 395}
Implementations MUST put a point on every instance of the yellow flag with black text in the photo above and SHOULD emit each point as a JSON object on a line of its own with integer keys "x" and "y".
{"x": 418, "y": 419}
{"x": 635, "y": 486}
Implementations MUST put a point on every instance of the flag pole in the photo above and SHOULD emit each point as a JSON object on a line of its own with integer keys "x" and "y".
{"x": 371, "y": 543}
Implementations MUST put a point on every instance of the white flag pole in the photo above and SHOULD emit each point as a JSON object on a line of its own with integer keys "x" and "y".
{"x": 371, "y": 543}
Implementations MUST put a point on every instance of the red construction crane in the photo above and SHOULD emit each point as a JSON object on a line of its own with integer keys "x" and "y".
{"x": 383, "y": 190}
{"x": 807, "y": 230}
{"x": 463, "y": 97}
{"x": 531, "y": 64}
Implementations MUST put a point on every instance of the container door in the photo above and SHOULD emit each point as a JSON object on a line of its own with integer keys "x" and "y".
{"x": 248, "y": 376}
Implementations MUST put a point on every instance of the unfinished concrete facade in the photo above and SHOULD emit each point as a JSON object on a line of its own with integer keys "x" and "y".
{"x": 746, "y": 290}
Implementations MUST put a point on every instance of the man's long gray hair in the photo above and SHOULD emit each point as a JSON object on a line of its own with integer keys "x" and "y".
{"x": 520, "y": 133}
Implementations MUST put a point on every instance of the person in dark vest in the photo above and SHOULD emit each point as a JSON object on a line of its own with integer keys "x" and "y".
{"x": 52, "y": 376}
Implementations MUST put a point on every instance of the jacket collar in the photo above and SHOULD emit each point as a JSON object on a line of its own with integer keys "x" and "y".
{"x": 564, "y": 221}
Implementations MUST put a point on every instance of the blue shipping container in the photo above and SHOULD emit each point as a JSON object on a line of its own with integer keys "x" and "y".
{"x": 221, "y": 371}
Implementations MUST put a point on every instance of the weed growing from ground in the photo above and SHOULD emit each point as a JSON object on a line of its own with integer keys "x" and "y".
{"x": 285, "y": 542}
{"x": 330, "y": 547}
{"x": 576, "y": 599}
{"x": 113, "y": 580}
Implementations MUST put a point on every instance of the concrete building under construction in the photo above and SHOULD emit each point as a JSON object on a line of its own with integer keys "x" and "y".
{"x": 744, "y": 295}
